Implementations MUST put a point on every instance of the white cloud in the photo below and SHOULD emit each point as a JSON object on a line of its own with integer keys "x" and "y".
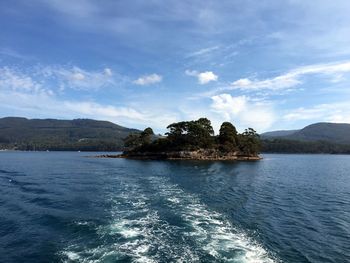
{"x": 77, "y": 78}
{"x": 293, "y": 77}
{"x": 228, "y": 105}
{"x": 206, "y": 77}
{"x": 242, "y": 83}
{"x": 14, "y": 80}
{"x": 280, "y": 82}
{"x": 40, "y": 78}
{"x": 148, "y": 79}
{"x": 11, "y": 79}
{"x": 330, "y": 112}
{"x": 203, "y": 77}
{"x": 46, "y": 79}
{"x": 28, "y": 93}
{"x": 104, "y": 111}
{"x": 44, "y": 105}
{"x": 108, "y": 72}
{"x": 244, "y": 111}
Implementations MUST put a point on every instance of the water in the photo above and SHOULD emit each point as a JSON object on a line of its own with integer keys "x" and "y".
{"x": 64, "y": 207}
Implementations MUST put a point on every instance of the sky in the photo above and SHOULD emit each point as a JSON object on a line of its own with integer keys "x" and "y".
{"x": 266, "y": 64}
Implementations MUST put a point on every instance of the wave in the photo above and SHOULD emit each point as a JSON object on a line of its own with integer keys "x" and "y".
{"x": 211, "y": 230}
{"x": 156, "y": 221}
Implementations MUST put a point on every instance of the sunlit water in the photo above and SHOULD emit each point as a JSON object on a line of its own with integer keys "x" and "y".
{"x": 64, "y": 207}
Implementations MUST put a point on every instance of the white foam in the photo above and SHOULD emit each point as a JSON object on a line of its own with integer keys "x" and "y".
{"x": 214, "y": 233}
{"x": 123, "y": 228}
{"x": 83, "y": 223}
{"x": 72, "y": 255}
{"x": 174, "y": 200}
{"x": 142, "y": 235}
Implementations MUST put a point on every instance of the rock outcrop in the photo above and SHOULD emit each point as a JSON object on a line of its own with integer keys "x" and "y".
{"x": 202, "y": 154}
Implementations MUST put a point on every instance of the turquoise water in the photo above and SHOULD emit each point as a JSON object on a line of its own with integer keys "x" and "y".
{"x": 64, "y": 207}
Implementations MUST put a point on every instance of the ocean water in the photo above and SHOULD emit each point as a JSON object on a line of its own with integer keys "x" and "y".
{"x": 66, "y": 207}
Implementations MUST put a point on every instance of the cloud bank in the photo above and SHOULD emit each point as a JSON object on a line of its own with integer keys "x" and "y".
{"x": 243, "y": 110}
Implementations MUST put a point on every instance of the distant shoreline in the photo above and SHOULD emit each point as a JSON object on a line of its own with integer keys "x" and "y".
{"x": 119, "y": 155}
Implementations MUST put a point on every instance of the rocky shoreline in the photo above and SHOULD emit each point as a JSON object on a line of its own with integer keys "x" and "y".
{"x": 205, "y": 155}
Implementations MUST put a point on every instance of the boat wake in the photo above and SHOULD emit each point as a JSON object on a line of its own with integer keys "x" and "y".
{"x": 156, "y": 221}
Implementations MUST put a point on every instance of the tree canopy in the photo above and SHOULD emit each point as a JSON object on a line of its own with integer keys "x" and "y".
{"x": 249, "y": 142}
{"x": 191, "y": 134}
{"x": 228, "y": 139}
{"x": 195, "y": 135}
{"x": 146, "y": 136}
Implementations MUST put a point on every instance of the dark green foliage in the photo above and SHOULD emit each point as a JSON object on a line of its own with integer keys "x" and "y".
{"x": 228, "y": 137}
{"x": 331, "y": 132}
{"x": 338, "y": 133}
{"x": 194, "y": 135}
{"x": 191, "y": 134}
{"x": 315, "y": 138}
{"x": 61, "y": 135}
{"x": 138, "y": 140}
{"x": 132, "y": 141}
{"x": 294, "y": 146}
{"x": 249, "y": 142}
{"x": 146, "y": 136}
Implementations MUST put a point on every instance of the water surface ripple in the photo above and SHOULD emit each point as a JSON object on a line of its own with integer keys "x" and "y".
{"x": 64, "y": 207}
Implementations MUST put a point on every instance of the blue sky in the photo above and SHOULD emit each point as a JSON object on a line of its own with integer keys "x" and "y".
{"x": 266, "y": 64}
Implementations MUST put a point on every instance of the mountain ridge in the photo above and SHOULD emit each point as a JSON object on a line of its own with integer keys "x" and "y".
{"x": 56, "y": 134}
{"x": 322, "y": 137}
{"x": 322, "y": 131}
{"x": 95, "y": 135}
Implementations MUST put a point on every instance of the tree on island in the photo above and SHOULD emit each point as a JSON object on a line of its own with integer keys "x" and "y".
{"x": 191, "y": 134}
{"x": 249, "y": 142}
{"x": 136, "y": 140}
{"x": 146, "y": 136}
{"x": 228, "y": 139}
{"x": 196, "y": 135}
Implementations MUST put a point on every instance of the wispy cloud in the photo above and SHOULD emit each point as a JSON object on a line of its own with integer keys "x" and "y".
{"x": 9, "y": 52}
{"x": 80, "y": 79}
{"x": 14, "y": 80}
{"x": 148, "y": 79}
{"x": 293, "y": 77}
{"x": 37, "y": 91}
{"x": 202, "y": 51}
{"x": 43, "y": 105}
{"x": 139, "y": 37}
{"x": 79, "y": 8}
{"x": 40, "y": 78}
{"x": 332, "y": 112}
{"x": 203, "y": 77}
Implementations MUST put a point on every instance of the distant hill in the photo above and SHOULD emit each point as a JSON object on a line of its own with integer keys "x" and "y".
{"x": 323, "y": 131}
{"x": 52, "y": 134}
{"x": 275, "y": 134}
{"x": 330, "y": 132}
{"x": 315, "y": 138}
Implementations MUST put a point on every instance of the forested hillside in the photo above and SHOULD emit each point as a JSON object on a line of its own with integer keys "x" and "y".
{"x": 51, "y": 134}
{"x": 315, "y": 138}
{"x": 323, "y": 131}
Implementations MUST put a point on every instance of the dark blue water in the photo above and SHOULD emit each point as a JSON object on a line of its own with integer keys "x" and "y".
{"x": 64, "y": 207}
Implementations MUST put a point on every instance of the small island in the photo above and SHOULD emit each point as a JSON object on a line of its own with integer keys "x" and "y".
{"x": 193, "y": 140}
